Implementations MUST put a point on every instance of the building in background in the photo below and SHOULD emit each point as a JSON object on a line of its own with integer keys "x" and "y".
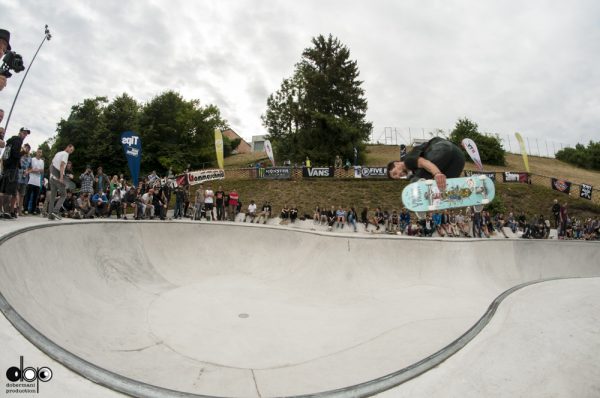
{"x": 243, "y": 147}
{"x": 258, "y": 143}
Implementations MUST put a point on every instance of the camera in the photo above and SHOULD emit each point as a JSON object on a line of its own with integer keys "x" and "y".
{"x": 11, "y": 61}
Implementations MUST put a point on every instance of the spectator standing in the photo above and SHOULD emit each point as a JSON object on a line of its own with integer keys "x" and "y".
{"x": 232, "y": 204}
{"x": 220, "y": 203}
{"x": 24, "y": 169}
{"x": 179, "y": 200}
{"x": 34, "y": 183}
{"x": 209, "y": 203}
{"x": 563, "y": 219}
{"x": 10, "y": 178}
{"x": 87, "y": 180}
{"x": 101, "y": 181}
{"x": 556, "y": 213}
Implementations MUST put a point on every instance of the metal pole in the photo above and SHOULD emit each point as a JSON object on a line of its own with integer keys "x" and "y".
{"x": 547, "y": 151}
{"x": 538, "y": 147}
{"x": 409, "y": 137}
{"x": 554, "y": 146}
{"x": 528, "y": 146}
{"x": 47, "y": 36}
{"x": 509, "y": 146}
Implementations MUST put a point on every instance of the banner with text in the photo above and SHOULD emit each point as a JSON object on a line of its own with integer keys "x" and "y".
{"x": 510, "y": 176}
{"x": 132, "y": 146}
{"x": 491, "y": 175}
{"x": 308, "y": 172}
{"x": 585, "y": 192}
{"x": 370, "y": 172}
{"x": 473, "y": 152}
{"x": 275, "y": 173}
{"x": 197, "y": 177}
{"x": 561, "y": 185}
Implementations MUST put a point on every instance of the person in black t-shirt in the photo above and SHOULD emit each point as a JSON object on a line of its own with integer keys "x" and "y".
{"x": 10, "y": 175}
{"x": 436, "y": 159}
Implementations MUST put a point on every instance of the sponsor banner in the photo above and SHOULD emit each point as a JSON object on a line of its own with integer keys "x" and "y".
{"x": 308, "y": 172}
{"x": 561, "y": 185}
{"x": 275, "y": 173}
{"x": 471, "y": 149}
{"x": 370, "y": 172}
{"x": 523, "y": 151}
{"x": 510, "y": 176}
{"x": 585, "y": 191}
{"x": 197, "y": 177}
{"x": 269, "y": 150}
{"x": 219, "y": 147}
{"x": 491, "y": 175}
{"x": 132, "y": 146}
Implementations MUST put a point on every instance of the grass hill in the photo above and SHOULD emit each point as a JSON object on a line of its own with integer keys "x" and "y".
{"x": 306, "y": 194}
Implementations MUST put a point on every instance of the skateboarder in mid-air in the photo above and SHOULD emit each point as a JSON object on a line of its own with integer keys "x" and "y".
{"x": 436, "y": 159}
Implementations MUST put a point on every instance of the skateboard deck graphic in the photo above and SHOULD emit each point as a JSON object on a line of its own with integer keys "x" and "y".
{"x": 424, "y": 195}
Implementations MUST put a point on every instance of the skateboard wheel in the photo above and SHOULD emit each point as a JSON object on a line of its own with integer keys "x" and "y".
{"x": 429, "y": 182}
{"x": 485, "y": 201}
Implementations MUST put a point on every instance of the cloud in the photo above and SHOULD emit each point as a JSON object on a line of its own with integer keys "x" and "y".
{"x": 509, "y": 66}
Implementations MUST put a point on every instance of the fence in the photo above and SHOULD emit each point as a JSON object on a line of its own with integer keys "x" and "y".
{"x": 407, "y": 135}
{"x": 296, "y": 173}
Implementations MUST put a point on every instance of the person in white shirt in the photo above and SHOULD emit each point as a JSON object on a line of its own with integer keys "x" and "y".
{"x": 34, "y": 184}
{"x": 57, "y": 181}
{"x": 251, "y": 211}
{"x": 147, "y": 207}
{"x": 208, "y": 203}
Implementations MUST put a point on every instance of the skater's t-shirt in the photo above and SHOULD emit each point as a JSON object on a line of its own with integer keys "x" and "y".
{"x": 62, "y": 156}
{"x": 441, "y": 152}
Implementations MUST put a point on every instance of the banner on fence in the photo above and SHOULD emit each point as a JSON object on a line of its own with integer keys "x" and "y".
{"x": 491, "y": 175}
{"x": 318, "y": 172}
{"x": 585, "y": 191}
{"x": 561, "y": 185}
{"x": 510, "y": 176}
{"x": 275, "y": 173}
{"x": 200, "y": 176}
{"x": 370, "y": 172}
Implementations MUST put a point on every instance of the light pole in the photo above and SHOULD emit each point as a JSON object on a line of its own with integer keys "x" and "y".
{"x": 47, "y": 36}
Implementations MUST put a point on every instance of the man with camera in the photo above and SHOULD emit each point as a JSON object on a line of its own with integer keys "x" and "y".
{"x": 10, "y": 176}
{"x": 12, "y": 60}
{"x": 4, "y": 47}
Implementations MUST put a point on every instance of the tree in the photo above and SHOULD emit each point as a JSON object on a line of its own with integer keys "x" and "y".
{"x": 320, "y": 111}
{"x": 582, "y": 156}
{"x": 490, "y": 148}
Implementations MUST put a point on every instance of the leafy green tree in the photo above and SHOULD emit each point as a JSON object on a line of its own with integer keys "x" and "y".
{"x": 83, "y": 128}
{"x": 320, "y": 111}
{"x": 490, "y": 147}
{"x": 582, "y": 156}
{"x": 121, "y": 115}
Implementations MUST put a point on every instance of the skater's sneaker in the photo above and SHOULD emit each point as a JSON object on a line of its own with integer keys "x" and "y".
{"x": 57, "y": 216}
{"x": 51, "y": 217}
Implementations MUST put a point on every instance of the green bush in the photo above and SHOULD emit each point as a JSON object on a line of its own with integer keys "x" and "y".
{"x": 490, "y": 148}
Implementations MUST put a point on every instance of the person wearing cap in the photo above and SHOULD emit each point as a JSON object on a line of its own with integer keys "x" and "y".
{"x": 4, "y": 47}
{"x": 24, "y": 168}
{"x": 87, "y": 180}
{"x": 436, "y": 159}
{"x": 10, "y": 176}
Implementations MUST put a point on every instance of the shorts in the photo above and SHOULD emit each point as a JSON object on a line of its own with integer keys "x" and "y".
{"x": 9, "y": 182}
{"x": 208, "y": 206}
{"x": 22, "y": 188}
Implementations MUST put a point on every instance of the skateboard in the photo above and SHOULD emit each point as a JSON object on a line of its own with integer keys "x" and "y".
{"x": 424, "y": 195}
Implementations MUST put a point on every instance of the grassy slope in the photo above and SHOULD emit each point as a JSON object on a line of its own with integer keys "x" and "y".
{"x": 306, "y": 194}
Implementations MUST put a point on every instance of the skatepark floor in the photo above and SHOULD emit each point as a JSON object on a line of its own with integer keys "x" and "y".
{"x": 184, "y": 308}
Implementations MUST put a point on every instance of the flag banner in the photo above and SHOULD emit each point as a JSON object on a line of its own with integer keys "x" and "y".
{"x": 370, "y": 172}
{"x": 523, "y": 151}
{"x": 585, "y": 191}
{"x": 219, "y": 147}
{"x": 491, "y": 175}
{"x": 561, "y": 185}
{"x": 132, "y": 146}
{"x": 473, "y": 152}
{"x": 269, "y": 150}
{"x": 197, "y": 177}
{"x": 318, "y": 172}
{"x": 510, "y": 176}
{"x": 275, "y": 173}
{"x": 181, "y": 180}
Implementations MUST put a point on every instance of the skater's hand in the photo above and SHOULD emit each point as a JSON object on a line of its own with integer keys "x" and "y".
{"x": 440, "y": 180}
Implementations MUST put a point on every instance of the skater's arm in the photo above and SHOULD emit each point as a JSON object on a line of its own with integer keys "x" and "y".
{"x": 438, "y": 176}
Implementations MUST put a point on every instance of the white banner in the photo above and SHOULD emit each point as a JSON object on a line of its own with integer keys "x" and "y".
{"x": 471, "y": 149}
{"x": 197, "y": 177}
{"x": 269, "y": 150}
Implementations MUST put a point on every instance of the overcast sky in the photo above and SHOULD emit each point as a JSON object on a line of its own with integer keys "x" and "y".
{"x": 527, "y": 66}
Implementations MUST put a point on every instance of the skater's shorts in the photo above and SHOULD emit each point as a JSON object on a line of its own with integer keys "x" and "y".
{"x": 9, "y": 182}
